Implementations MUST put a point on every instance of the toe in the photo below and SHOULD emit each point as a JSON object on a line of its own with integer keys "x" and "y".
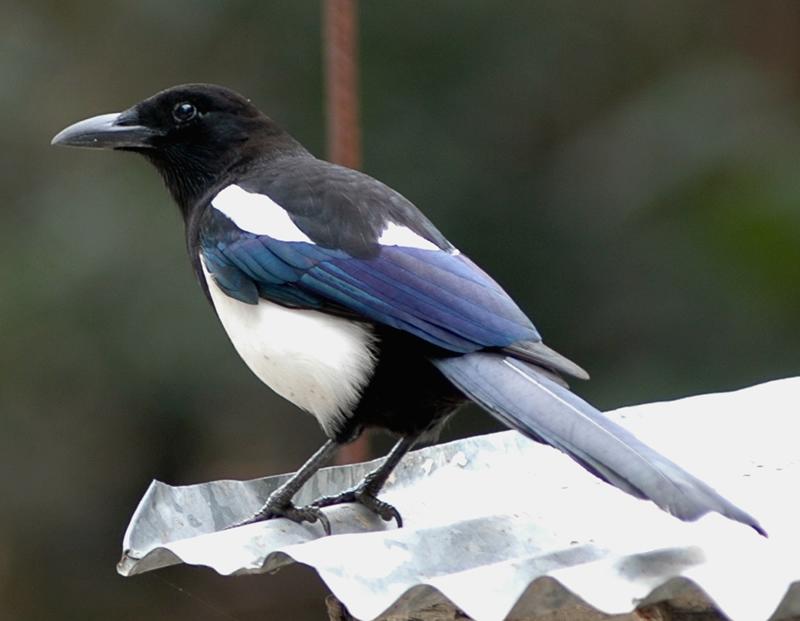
{"x": 327, "y": 501}
{"x": 386, "y": 511}
{"x": 390, "y": 513}
{"x": 310, "y": 514}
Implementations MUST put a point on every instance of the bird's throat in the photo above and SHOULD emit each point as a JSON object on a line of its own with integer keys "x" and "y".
{"x": 186, "y": 179}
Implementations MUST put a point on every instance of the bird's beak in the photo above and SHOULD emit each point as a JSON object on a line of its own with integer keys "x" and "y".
{"x": 118, "y": 130}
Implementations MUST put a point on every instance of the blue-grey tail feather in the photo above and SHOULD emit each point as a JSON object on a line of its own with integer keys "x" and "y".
{"x": 524, "y": 398}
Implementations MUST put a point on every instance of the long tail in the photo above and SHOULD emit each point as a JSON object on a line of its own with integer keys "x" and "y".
{"x": 526, "y": 398}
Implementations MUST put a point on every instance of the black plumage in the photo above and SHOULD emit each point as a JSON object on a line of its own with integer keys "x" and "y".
{"x": 277, "y": 235}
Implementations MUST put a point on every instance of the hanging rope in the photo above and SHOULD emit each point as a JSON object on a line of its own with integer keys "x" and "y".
{"x": 341, "y": 82}
{"x": 340, "y": 48}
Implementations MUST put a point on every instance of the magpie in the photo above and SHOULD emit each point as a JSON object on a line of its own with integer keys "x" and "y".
{"x": 342, "y": 297}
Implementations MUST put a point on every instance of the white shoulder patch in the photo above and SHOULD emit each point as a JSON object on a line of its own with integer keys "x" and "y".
{"x": 397, "y": 235}
{"x": 258, "y": 214}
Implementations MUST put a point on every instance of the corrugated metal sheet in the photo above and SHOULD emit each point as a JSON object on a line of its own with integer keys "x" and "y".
{"x": 498, "y": 523}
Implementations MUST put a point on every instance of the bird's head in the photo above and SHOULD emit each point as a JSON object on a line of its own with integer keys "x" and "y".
{"x": 194, "y": 134}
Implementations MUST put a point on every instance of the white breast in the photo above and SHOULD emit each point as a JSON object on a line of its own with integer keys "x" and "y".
{"x": 319, "y": 362}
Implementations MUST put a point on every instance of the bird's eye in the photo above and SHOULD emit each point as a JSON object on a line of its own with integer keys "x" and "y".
{"x": 184, "y": 112}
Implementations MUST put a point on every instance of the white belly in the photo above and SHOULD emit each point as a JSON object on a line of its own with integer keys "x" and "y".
{"x": 319, "y": 362}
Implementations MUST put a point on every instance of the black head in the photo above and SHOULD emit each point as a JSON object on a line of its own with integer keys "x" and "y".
{"x": 194, "y": 134}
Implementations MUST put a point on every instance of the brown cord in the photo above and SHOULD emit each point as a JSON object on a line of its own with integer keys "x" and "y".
{"x": 341, "y": 82}
{"x": 340, "y": 47}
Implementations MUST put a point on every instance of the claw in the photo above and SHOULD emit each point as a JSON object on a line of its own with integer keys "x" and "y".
{"x": 389, "y": 513}
{"x": 364, "y": 497}
{"x": 269, "y": 511}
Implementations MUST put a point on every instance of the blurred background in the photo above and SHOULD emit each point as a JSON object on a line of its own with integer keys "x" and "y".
{"x": 629, "y": 171}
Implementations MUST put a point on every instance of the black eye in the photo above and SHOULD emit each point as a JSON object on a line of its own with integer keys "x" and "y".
{"x": 183, "y": 112}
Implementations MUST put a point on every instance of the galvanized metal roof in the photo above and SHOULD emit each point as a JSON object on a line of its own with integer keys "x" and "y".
{"x": 499, "y": 523}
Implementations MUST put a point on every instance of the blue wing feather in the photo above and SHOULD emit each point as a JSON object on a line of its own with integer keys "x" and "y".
{"x": 229, "y": 277}
{"x": 340, "y": 287}
{"x": 428, "y": 296}
{"x": 439, "y": 296}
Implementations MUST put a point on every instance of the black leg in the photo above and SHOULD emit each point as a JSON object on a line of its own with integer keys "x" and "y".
{"x": 366, "y": 492}
{"x": 279, "y": 503}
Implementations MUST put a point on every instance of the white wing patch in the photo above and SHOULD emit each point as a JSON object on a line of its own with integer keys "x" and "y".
{"x": 319, "y": 362}
{"x": 258, "y": 214}
{"x": 397, "y": 235}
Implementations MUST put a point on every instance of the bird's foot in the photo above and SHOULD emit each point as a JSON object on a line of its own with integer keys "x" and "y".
{"x": 278, "y": 508}
{"x": 363, "y": 495}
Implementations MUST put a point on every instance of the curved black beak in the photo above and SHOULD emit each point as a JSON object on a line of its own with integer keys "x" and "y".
{"x": 107, "y": 131}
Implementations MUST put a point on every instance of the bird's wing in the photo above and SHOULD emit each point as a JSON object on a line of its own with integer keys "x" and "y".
{"x": 409, "y": 279}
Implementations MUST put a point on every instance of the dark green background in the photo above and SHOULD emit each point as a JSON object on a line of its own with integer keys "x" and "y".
{"x": 628, "y": 170}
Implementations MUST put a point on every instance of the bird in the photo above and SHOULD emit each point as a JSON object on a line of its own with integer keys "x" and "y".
{"x": 343, "y": 298}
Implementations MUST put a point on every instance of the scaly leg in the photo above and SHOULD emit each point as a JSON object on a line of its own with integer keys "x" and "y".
{"x": 279, "y": 503}
{"x": 366, "y": 492}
